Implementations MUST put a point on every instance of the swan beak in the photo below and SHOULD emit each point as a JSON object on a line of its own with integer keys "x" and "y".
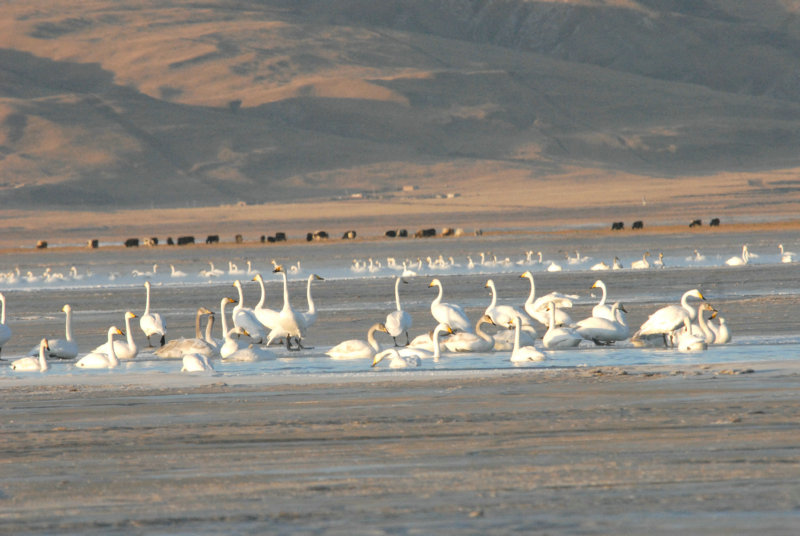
{"x": 244, "y": 332}
{"x": 404, "y": 281}
{"x": 381, "y": 327}
{"x": 701, "y": 296}
{"x": 449, "y": 329}
{"x": 319, "y": 277}
{"x": 376, "y": 360}
{"x": 714, "y": 313}
{"x": 430, "y": 285}
{"x": 622, "y": 308}
{"x": 46, "y": 345}
{"x": 120, "y": 332}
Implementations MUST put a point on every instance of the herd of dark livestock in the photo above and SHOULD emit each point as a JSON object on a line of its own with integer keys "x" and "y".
{"x": 348, "y": 235}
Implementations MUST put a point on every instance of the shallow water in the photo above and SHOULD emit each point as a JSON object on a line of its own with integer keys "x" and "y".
{"x": 760, "y": 301}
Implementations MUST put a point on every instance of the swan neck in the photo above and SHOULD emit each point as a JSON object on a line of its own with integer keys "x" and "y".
{"x": 260, "y": 304}
{"x": 3, "y": 314}
{"x": 224, "y": 318}
{"x": 209, "y": 328}
{"x": 480, "y": 333}
{"x": 128, "y": 333}
{"x": 532, "y": 295}
{"x": 241, "y": 298}
{"x": 113, "y": 361}
{"x": 494, "y": 296}
{"x": 43, "y": 366}
{"x": 603, "y": 299}
{"x": 285, "y": 291}
{"x": 517, "y": 328}
{"x": 371, "y": 338}
{"x": 68, "y": 326}
{"x": 147, "y": 301}
{"x": 397, "y": 294}
{"x": 311, "y": 307}
{"x": 197, "y": 333}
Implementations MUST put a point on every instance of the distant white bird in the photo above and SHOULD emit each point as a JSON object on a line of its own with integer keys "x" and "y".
{"x": 398, "y": 321}
{"x": 787, "y": 256}
{"x": 740, "y": 260}
{"x": 641, "y": 264}
{"x": 696, "y": 257}
{"x": 152, "y": 323}
{"x": 176, "y": 273}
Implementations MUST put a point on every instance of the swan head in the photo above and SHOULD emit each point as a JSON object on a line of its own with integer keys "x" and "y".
{"x": 129, "y": 314}
{"x": 317, "y": 277}
{"x": 147, "y": 285}
{"x": 619, "y": 306}
{"x": 114, "y": 330}
{"x": 258, "y": 278}
{"x": 489, "y": 284}
{"x": 486, "y": 319}
{"x": 44, "y": 345}
{"x": 381, "y": 327}
{"x": 205, "y": 311}
{"x": 435, "y": 283}
{"x": 439, "y": 329}
{"x": 695, "y": 293}
{"x": 527, "y": 274}
{"x": 226, "y": 301}
{"x": 278, "y": 268}
{"x": 66, "y": 308}
{"x": 598, "y": 284}
{"x": 237, "y": 284}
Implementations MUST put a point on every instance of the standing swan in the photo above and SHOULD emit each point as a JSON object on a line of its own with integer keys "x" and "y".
{"x": 33, "y": 364}
{"x": 62, "y": 348}
{"x": 670, "y": 317}
{"x": 289, "y": 322}
{"x": 268, "y": 317}
{"x": 399, "y": 321}
{"x": 152, "y": 323}
{"x": 123, "y": 350}
{"x": 96, "y": 360}
{"x": 5, "y": 331}
{"x": 449, "y": 313}
{"x": 357, "y": 348}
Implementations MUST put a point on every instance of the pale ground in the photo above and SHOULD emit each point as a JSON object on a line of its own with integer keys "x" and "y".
{"x": 677, "y": 450}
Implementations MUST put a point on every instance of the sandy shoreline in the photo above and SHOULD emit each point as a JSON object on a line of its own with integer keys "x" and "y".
{"x": 596, "y": 451}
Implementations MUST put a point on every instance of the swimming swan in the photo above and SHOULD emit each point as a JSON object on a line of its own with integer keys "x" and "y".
{"x": 448, "y": 313}
{"x": 122, "y": 349}
{"x": 66, "y": 348}
{"x": 196, "y": 363}
{"x": 740, "y": 260}
{"x": 641, "y": 264}
{"x": 398, "y": 321}
{"x": 786, "y": 256}
{"x": 537, "y": 307}
{"x": 397, "y": 360}
{"x": 198, "y": 345}
{"x": 33, "y": 364}
{"x": 479, "y": 341}
{"x": 96, "y": 360}
{"x": 522, "y": 354}
{"x": 603, "y": 331}
{"x": 559, "y": 337}
{"x": 247, "y": 354}
{"x": 152, "y": 323}
{"x": 357, "y": 348}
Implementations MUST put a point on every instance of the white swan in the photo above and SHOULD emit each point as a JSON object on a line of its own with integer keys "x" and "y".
{"x": 537, "y": 307}
{"x": 33, "y": 364}
{"x": 602, "y": 309}
{"x": 786, "y": 256}
{"x": 176, "y": 273}
{"x": 397, "y": 360}
{"x": 600, "y": 266}
{"x": 5, "y": 331}
{"x": 246, "y": 318}
{"x": 617, "y": 265}
{"x": 398, "y": 321}
{"x": 687, "y": 341}
{"x": 702, "y": 329}
{"x": 97, "y": 360}
{"x": 554, "y": 267}
{"x": 502, "y": 315}
{"x": 696, "y": 257}
{"x": 196, "y": 363}
{"x": 559, "y": 337}
{"x": 641, "y": 264}
{"x": 722, "y": 334}
{"x": 357, "y": 348}
{"x": 66, "y": 348}
{"x": 249, "y": 354}
{"x": 522, "y": 354}
{"x": 308, "y": 318}
{"x": 198, "y": 345}
{"x": 432, "y": 350}
{"x": 603, "y": 331}
{"x": 670, "y": 317}
{"x": 659, "y": 262}
{"x": 212, "y": 271}
{"x": 479, "y": 341}
{"x": 152, "y": 323}
{"x": 289, "y": 321}
{"x": 740, "y": 260}
{"x": 122, "y": 349}
{"x": 268, "y": 317}
{"x": 504, "y": 339}
{"x": 448, "y": 313}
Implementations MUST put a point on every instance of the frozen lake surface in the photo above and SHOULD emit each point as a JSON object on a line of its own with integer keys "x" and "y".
{"x": 759, "y": 300}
